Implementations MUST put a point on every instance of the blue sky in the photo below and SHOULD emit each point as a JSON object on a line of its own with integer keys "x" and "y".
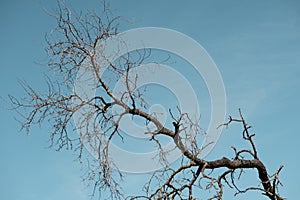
{"x": 255, "y": 44}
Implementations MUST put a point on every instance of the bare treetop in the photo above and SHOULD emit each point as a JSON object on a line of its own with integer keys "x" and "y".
{"x": 76, "y": 43}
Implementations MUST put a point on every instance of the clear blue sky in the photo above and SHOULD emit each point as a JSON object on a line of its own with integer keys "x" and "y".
{"x": 255, "y": 44}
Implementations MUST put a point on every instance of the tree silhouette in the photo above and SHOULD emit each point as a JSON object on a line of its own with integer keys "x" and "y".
{"x": 73, "y": 45}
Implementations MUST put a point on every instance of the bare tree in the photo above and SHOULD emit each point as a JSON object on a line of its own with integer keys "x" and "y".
{"x": 74, "y": 44}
